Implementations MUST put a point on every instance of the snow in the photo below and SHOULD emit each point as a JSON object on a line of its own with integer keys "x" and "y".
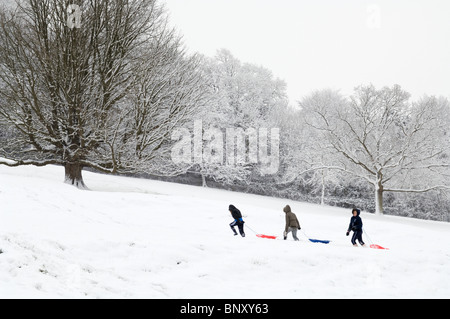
{"x": 7, "y": 161}
{"x": 134, "y": 238}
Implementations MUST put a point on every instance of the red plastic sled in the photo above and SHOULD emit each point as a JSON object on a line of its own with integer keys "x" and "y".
{"x": 266, "y": 236}
{"x": 378, "y": 247}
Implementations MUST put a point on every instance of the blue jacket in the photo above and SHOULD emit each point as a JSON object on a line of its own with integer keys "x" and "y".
{"x": 356, "y": 223}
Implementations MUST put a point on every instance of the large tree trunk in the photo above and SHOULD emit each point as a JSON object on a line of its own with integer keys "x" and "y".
{"x": 379, "y": 202}
{"x": 74, "y": 175}
{"x": 379, "y": 191}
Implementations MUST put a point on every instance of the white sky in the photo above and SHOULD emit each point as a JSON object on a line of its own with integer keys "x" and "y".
{"x": 339, "y": 44}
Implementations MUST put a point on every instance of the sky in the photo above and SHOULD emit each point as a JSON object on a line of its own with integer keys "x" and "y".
{"x": 317, "y": 44}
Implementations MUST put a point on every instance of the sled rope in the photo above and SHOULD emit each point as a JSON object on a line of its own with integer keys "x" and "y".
{"x": 372, "y": 245}
{"x": 367, "y": 234}
{"x": 246, "y": 225}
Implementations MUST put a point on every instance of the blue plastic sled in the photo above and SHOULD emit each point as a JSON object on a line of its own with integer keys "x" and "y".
{"x": 317, "y": 241}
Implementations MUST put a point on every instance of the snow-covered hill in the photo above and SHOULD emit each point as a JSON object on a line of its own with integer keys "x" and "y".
{"x": 129, "y": 238}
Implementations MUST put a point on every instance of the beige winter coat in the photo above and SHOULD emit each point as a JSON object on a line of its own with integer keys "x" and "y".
{"x": 291, "y": 219}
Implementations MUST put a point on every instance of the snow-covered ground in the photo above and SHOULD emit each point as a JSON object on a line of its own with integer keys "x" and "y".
{"x": 132, "y": 238}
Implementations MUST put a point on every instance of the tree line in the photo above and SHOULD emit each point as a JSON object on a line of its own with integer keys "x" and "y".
{"x": 109, "y": 94}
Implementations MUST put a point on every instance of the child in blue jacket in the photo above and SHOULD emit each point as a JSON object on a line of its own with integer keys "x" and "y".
{"x": 356, "y": 225}
{"x": 238, "y": 221}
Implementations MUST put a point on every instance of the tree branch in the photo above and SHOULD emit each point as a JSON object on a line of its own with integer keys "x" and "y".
{"x": 12, "y": 163}
{"x": 417, "y": 190}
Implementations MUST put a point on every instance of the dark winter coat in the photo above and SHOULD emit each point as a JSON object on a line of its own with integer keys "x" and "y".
{"x": 356, "y": 223}
{"x": 291, "y": 219}
{"x": 236, "y": 213}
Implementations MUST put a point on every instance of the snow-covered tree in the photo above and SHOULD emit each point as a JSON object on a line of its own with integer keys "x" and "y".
{"x": 383, "y": 138}
{"x": 242, "y": 99}
{"x": 308, "y": 161}
{"x": 100, "y": 89}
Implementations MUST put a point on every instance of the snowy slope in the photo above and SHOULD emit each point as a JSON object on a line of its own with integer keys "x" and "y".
{"x": 131, "y": 238}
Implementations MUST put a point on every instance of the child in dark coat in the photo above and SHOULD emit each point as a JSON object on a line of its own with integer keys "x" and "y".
{"x": 356, "y": 225}
{"x": 238, "y": 221}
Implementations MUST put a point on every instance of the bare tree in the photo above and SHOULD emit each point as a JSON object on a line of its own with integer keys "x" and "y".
{"x": 81, "y": 95}
{"x": 379, "y": 136}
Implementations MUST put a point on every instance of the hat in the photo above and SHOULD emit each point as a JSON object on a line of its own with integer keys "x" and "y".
{"x": 287, "y": 209}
